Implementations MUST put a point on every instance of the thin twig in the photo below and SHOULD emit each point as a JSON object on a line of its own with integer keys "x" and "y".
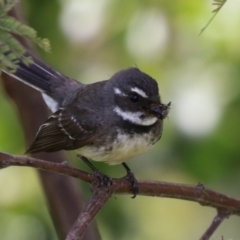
{"x": 99, "y": 198}
{"x": 221, "y": 215}
{"x": 219, "y": 4}
{"x": 7, "y": 160}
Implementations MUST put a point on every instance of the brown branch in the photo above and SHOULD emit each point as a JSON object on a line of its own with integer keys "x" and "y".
{"x": 225, "y": 205}
{"x": 99, "y": 198}
{"x": 199, "y": 193}
{"x": 7, "y": 160}
{"x": 221, "y": 215}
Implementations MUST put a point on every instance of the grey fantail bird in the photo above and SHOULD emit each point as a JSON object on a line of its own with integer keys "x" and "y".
{"x": 108, "y": 121}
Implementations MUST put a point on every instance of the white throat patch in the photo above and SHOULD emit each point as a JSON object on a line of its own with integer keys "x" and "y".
{"x": 135, "y": 117}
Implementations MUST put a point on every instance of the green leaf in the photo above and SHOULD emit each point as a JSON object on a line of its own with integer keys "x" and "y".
{"x": 12, "y": 25}
{"x": 43, "y": 43}
{"x": 11, "y": 50}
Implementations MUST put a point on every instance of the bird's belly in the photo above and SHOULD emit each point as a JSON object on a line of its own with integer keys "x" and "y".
{"x": 122, "y": 149}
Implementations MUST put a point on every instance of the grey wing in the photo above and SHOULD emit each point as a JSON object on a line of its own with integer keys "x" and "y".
{"x": 64, "y": 131}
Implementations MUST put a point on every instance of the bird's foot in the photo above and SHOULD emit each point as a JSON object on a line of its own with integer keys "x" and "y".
{"x": 104, "y": 180}
{"x": 133, "y": 181}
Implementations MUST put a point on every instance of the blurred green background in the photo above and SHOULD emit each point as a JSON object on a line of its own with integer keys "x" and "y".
{"x": 91, "y": 40}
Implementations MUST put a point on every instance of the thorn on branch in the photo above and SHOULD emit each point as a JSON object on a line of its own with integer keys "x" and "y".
{"x": 200, "y": 186}
{"x": 65, "y": 163}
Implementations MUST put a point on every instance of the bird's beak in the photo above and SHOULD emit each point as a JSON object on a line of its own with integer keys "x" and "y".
{"x": 160, "y": 111}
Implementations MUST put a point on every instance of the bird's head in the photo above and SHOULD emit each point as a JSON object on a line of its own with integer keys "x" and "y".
{"x": 136, "y": 98}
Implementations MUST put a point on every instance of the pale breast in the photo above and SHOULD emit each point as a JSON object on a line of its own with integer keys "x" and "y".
{"x": 123, "y": 148}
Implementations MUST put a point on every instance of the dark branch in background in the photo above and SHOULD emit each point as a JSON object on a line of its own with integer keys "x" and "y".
{"x": 63, "y": 195}
{"x": 225, "y": 205}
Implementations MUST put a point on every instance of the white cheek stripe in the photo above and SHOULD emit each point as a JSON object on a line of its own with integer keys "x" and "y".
{"x": 135, "y": 117}
{"x": 119, "y": 92}
{"x": 139, "y": 91}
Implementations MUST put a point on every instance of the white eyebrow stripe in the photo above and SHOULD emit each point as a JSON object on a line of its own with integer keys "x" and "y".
{"x": 119, "y": 92}
{"x": 139, "y": 91}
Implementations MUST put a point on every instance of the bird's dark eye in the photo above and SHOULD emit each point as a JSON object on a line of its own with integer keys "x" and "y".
{"x": 134, "y": 97}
